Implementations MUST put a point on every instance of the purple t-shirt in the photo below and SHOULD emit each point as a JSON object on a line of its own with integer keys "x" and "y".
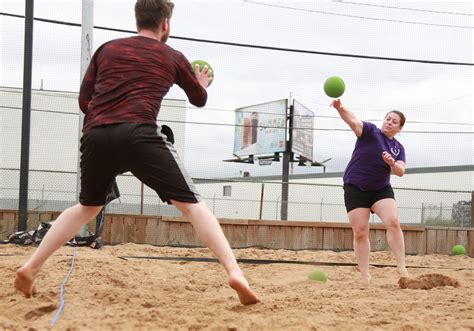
{"x": 367, "y": 170}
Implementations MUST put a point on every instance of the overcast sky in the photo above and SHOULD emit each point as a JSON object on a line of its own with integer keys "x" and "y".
{"x": 430, "y": 93}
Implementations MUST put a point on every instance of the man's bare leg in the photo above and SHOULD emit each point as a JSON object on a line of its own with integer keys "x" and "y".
{"x": 63, "y": 229}
{"x": 210, "y": 232}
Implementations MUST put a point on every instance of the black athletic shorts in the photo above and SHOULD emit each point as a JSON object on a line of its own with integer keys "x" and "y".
{"x": 356, "y": 198}
{"x": 142, "y": 149}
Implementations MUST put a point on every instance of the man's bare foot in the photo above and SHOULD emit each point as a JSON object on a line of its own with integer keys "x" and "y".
{"x": 241, "y": 286}
{"x": 24, "y": 281}
{"x": 366, "y": 280}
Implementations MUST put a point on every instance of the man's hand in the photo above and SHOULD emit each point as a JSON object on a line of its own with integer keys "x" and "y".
{"x": 204, "y": 76}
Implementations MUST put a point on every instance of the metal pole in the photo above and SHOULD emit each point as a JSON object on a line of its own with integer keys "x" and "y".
{"x": 441, "y": 211}
{"x": 285, "y": 177}
{"x": 472, "y": 209}
{"x": 142, "y": 197}
{"x": 261, "y": 201}
{"x": 284, "y": 186}
{"x": 321, "y": 211}
{"x": 87, "y": 31}
{"x": 422, "y": 213}
{"x": 276, "y": 207}
{"x": 214, "y": 204}
{"x": 26, "y": 117}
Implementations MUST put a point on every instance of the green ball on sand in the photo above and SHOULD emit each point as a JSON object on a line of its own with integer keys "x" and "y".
{"x": 334, "y": 87}
{"x": 202, "y": 63}
{"x": 317, "y": 275}
{"x": 458, "y": 250}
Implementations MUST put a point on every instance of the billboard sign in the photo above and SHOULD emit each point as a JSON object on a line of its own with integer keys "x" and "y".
{"x": 260, "y": 129}
{"x": 302, "y": 133}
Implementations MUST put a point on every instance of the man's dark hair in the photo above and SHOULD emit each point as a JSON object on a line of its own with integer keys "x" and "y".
{"x": 150, "y": 13}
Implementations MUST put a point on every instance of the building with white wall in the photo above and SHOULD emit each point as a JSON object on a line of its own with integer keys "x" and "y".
{"x": 422, "y": 194}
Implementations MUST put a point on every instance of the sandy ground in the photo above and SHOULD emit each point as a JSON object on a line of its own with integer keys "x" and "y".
{"x": 106, "y": 292}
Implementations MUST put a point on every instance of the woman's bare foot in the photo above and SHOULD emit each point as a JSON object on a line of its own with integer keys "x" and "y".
{"x": 24, "y": 280}
{"x": 241, "y": 286}
{"x": 366, "y": 280}
{"x": 403, "y": 272}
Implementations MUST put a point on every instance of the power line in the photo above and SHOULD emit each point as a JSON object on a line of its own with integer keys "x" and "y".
{"x": 426, "y": 122}
{"x": 282, "y": 49}
{"x": 248, "y": 112}
{"x": 312, "y": 129}
{"x": 402, "y": 8}
{"x": 293, "y": 50}
{"x": 302, "y": 97}
{"x": 357, "y": 16}
{"x": 437, "y": 103}
{"x": 271, "y": 127}
{"x": 66, "y": 94}
{"x": 41, "y": 110}
{"x": 322, "y": 116}
{"x": 45, "y": 20}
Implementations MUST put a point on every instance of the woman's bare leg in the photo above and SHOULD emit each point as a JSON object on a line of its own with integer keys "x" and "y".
{"x": 359, "y": 219}
{"x": 386, "y": 210}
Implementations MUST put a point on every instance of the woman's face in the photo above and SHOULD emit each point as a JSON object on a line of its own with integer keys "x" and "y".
{"x": 391, "y": 125}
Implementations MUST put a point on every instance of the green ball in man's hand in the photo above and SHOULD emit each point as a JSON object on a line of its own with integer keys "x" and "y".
{"x": 202, "y": 63}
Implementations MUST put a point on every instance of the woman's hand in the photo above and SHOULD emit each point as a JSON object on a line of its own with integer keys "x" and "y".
{"x": 388, "y": 158}
{"x": 336, "y": 103}
{"x": 396, "y": 167}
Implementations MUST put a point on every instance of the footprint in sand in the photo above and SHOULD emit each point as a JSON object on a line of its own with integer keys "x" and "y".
{"x": 427, "y": 282}
{"x": 38, "y": 312}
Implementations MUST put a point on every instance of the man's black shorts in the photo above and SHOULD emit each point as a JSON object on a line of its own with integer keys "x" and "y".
{"x": 356, "y": 198}
{"x": 110, "y": 150}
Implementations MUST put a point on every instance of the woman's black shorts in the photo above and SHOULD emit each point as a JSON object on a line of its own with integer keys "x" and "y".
{"x": 110, "y": 150}
{"x": 356, "y": 198}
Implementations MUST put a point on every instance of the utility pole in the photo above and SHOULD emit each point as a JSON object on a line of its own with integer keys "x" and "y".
{"x": 87, "y": 32}
{"x": 26, "y": 117}
{"x": 472, "y": 209}
{"x": 287, "y": 156}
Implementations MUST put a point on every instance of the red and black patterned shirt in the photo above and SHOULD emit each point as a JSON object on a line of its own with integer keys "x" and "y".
{"x": 127, "y": 79}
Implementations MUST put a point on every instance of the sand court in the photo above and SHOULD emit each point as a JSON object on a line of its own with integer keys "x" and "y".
{"x": 109, "y": 292}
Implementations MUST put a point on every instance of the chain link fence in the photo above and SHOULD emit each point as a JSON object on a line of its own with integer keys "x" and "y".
{"x": 53, "y": 174}
{"x": 239, "y": 199}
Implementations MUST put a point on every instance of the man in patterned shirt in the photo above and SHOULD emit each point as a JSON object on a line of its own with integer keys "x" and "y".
{"x": 120, "y": 95}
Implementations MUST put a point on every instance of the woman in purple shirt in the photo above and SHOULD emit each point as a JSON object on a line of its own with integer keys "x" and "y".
{"x": 377, "y": 154}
